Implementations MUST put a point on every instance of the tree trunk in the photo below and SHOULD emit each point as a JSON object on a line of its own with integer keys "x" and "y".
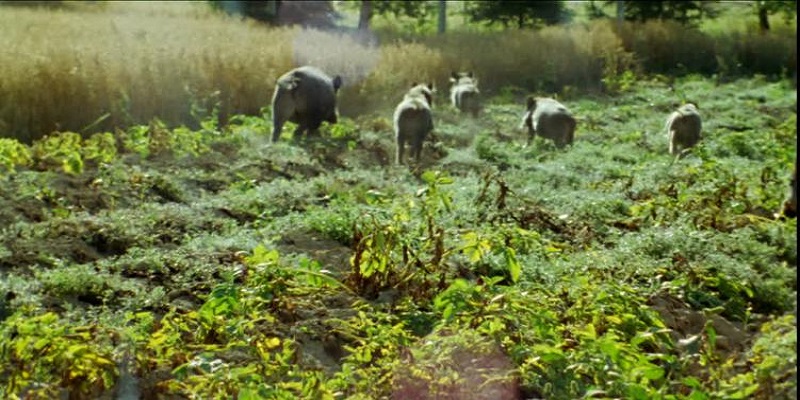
{"x": 763, "y": 16}
{"x": 620, "y": 13}
{"x": 442, "y": 16}
{"x": 272, "y": 7}
{"x": 365, "y": 15}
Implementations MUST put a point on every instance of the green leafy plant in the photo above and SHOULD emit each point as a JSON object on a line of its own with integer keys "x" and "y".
{"x": 186, "y": 142}
{"x": 619, "y": 83}
{"x": 13, "y": 154}
{"x": 385, "y": 253}
{"x": 42, "y": 354}
{"x": 136, "y": 139}
{"x": 101, "y": 147}
{"x": 378, "y": 339}
{"x": 61, "y": 149}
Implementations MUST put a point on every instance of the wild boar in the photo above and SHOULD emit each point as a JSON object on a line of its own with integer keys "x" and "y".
{"x": 413, "y": 120}
{"x": 683, "y": 129}
{"x": 307, "y": 97}
{"x": 464, "y": 93}
{"x": 549, "y": 119}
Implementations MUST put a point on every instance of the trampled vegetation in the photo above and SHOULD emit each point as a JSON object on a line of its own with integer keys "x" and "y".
{"x": 202, "y": 261}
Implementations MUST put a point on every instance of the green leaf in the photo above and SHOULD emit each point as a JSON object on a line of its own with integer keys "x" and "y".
{"x": 637, "y": 392}
{"x": 514, "y": 268}
{"x": 697, "y": 395}
{"x": 448, "y": 312}
{"x": 651, "y": 372}
{"x": 73, "y": 164}
{"x": 41, "y": 343}
{"x": 744, "y": 393}
{"x": 691, "y": 382}
{"x": 428, "y": 177}
{"x": 712, "y": 336}
{"x": 373, "y": 196}
{"x": 181, "y": 371}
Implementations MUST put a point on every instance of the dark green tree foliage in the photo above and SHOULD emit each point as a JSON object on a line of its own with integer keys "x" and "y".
{"x": 264, "y": 11}
{"x": 408, "y": 8}
{"x": 594, "y": 10}
{"x": 684, "y": 12}
{"x": 316, "y": 13}
{"x": 765, "y": 8}
{"x": 419, "y": 10}
{"x": 29, "y": 3}
{"x": 520, "y": 13}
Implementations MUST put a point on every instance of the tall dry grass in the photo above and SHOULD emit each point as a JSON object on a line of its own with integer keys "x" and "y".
{"x": 65, "y": 69}
{"x": 666, "y": 47}
{"x": 543, "y": 60}
{"x": 96, "y": 68}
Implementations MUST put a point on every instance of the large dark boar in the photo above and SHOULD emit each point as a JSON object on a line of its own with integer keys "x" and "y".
{"x": 464, "y": 93}
{"x": 307, "y": 97}
{"x": 413, "y": 120}
{"x": 683, "y": 129}
{"x": 549, "y": 119}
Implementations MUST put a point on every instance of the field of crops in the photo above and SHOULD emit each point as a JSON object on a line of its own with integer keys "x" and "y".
{"x": 210, "y": 263}
{"x": 155, "y": 244}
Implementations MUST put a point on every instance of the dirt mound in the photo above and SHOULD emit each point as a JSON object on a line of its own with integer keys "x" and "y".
{"x": 331, "y": 255}
{"x": 686, "y": 324}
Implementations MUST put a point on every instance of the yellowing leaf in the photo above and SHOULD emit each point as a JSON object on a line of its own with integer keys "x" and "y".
{"x": 272, "y": 343}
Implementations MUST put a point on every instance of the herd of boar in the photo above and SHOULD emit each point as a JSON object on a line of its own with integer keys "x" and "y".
{"x": 306, "y": 96}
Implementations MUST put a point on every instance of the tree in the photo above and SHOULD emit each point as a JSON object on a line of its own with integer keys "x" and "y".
{"x": 521, "y": 13}
{"x": 410, "y": 8}
{"x": 595, "y": 11}
{"x": 316, "y": 13}
{"x": 765, "y": 8}
{"x": 442, "y": 17}
{"x": 264, "y": 11}
{"x": 685, "y": 12}
{"x": 365, "y": 15}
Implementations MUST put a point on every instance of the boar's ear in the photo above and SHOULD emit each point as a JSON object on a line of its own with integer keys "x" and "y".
{"x": 337, "y": 82}
{"x": 469, "y": 74}
{"x": 430, "y": 86}
{"x": 414, "y": 84}
{"x": 289, "y": 84}
{"x": 454, "y": 76}
{"x": 530, "y": 103}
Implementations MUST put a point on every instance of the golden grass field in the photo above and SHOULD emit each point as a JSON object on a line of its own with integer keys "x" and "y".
{"x": 89, "y": 68}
